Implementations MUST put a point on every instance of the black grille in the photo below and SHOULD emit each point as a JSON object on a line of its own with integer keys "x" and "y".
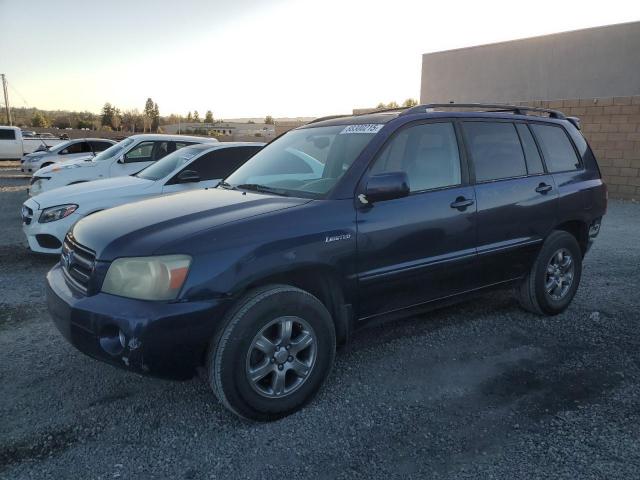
{"x": 77, "y": 263}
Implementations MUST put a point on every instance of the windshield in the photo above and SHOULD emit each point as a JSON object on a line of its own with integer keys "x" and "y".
{"x": 306, "y": 162}
{"x": 113, "y": 151}
{"x": 59, "y": 147}
{"x": 168, "y": 164}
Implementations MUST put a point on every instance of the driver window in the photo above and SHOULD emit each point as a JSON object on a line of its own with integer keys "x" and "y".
{"x": 140, "y": 153}
{"x": 73, "y": 148}
{"x": 428, "y": 153}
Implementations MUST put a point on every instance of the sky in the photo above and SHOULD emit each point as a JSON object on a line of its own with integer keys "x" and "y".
{"x": 251, "y": 58}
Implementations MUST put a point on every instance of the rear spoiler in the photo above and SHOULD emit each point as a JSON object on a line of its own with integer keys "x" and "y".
{"x": 576, "y": 122}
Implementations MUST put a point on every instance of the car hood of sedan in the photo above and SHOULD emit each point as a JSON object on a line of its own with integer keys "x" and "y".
{"x": 85, "y": 192}
{"x": 143, "y": 227}
{"x": 74, "y": 163}
{"x": 36, "y": 154}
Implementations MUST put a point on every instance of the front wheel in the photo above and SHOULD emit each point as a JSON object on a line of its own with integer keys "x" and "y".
{"x": 273, "y": 354}
{"x": 554, "y": 277}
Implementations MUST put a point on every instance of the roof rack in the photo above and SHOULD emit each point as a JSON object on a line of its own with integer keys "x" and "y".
{"x": 328, "y": 117}
{"x": 488, "y": 107}
{"x": 372, "y": 112}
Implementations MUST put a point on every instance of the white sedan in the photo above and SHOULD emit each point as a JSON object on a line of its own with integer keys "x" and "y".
{"x": 78, "y": 149}
{"x": 124, "y": 158}
{"x": 47, "y": 217}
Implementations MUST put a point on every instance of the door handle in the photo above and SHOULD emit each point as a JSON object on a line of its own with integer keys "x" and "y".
{"x": 462, "y": 203}
{"x": 543, "y": 188}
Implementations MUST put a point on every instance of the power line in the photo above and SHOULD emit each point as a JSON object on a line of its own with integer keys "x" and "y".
{"x": 19, "y": 94}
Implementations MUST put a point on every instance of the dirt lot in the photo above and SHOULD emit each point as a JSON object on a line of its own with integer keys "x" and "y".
{"x": 479, "y": 390}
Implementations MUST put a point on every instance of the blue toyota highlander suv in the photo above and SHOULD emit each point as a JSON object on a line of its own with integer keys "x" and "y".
{"x": 341, "y": 221}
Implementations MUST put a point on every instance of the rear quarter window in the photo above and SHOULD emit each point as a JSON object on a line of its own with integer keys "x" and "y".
{"x": 556, "y": 147}
{"x": 6, "y": 134}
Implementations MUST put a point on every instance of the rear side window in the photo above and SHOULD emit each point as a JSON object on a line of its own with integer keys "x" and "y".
{"x": 221, "y": 163}
{"x": 556, "y": 148}
{"x": 428, "y": 153}
{"x": 495, "y": 150}
{"x": 531, "y": 154}
{"x": 100, "y": 146}
{"x": 78, "y": 147}
{"x": 6, "y": 134}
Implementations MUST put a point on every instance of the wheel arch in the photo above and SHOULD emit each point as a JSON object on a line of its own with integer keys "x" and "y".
{"x": 579, "y": 229}
{"x": 324, "y": 283}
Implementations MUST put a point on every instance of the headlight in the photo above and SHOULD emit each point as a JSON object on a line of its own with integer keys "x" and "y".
{"x": 147, "y": 278}
{"x": 52, "y": 214}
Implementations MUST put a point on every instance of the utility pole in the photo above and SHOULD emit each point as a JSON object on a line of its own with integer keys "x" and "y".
{"x": 6, "y": 99}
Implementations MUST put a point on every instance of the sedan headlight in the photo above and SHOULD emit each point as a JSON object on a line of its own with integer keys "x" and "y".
{"x": 52, "y": 214}
{"x": 147, "y": 278}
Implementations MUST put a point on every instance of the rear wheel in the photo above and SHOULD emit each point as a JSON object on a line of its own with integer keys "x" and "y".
{"x": 550, "y": 286}
{"x": 274, "y": 352}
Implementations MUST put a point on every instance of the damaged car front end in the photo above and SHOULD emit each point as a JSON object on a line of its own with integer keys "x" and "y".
{"x": 165, "y": 338}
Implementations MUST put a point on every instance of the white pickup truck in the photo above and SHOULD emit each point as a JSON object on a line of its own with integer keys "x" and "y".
{"x": 13, "y": 145}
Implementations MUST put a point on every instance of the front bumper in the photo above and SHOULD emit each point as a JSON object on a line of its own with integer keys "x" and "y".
{"x": 46, "y": 237}
{"x": 162, "y": 339}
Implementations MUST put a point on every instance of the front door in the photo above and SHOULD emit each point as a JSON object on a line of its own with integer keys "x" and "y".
{"x": 141, "y": 156}
{"x": 421, "y": 247}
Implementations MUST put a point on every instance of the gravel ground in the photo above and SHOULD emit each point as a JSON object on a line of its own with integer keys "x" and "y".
{"x": 479, "y": 390}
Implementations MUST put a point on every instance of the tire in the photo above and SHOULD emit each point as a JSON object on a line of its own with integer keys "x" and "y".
{"x": 533, "y": 293}
{"x": 239, "y": 350}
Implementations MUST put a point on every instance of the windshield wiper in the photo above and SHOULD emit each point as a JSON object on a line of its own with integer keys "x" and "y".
{"x": 256, "y": 187}
{"x": 226, "y": 186}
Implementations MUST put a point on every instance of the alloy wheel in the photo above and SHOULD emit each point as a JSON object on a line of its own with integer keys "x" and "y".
{"x": 559, "y": 275}
{"x": 281, "y": 357}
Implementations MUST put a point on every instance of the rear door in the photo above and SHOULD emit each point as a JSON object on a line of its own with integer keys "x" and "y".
{"x": 516, "y": 197}
{"x": 418, "y": 248}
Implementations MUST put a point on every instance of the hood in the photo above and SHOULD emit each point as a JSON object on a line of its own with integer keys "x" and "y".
{"x": 67, "y": 164}
{"x": 86, "y": 192}
{"x": 141, "y": 228}
{"x": 36, "y": 154}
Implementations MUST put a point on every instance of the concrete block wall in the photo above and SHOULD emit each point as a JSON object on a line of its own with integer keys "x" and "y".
{"x": 612, "y": 127}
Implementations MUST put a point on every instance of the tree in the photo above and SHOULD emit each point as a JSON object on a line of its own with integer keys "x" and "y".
{"x": 155, "y": 118}
{"x": 148, "y": 114}
{"x": 39, "y": 120}
{"x": 410, "y": 102}
{"x": 208, "y": 118}
{"x": 132, "y": 120}
{"x": 116, "y": 120}
{"x": 62, "y": 121}
{"x": 107, "y": 114}
{"x": 196, "y": 116}
{"x": 189, "y": 117}
{"x": 269, "y": 120}
{"x": 388, "y": 105}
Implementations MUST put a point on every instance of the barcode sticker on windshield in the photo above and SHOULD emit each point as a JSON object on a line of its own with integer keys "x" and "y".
{"x": 364, "y": 128}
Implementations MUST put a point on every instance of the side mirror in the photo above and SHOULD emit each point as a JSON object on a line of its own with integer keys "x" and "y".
{"x": 121, "y": 159}
{"x": 188, "y": 176}
{"x": 386, "y": 186}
